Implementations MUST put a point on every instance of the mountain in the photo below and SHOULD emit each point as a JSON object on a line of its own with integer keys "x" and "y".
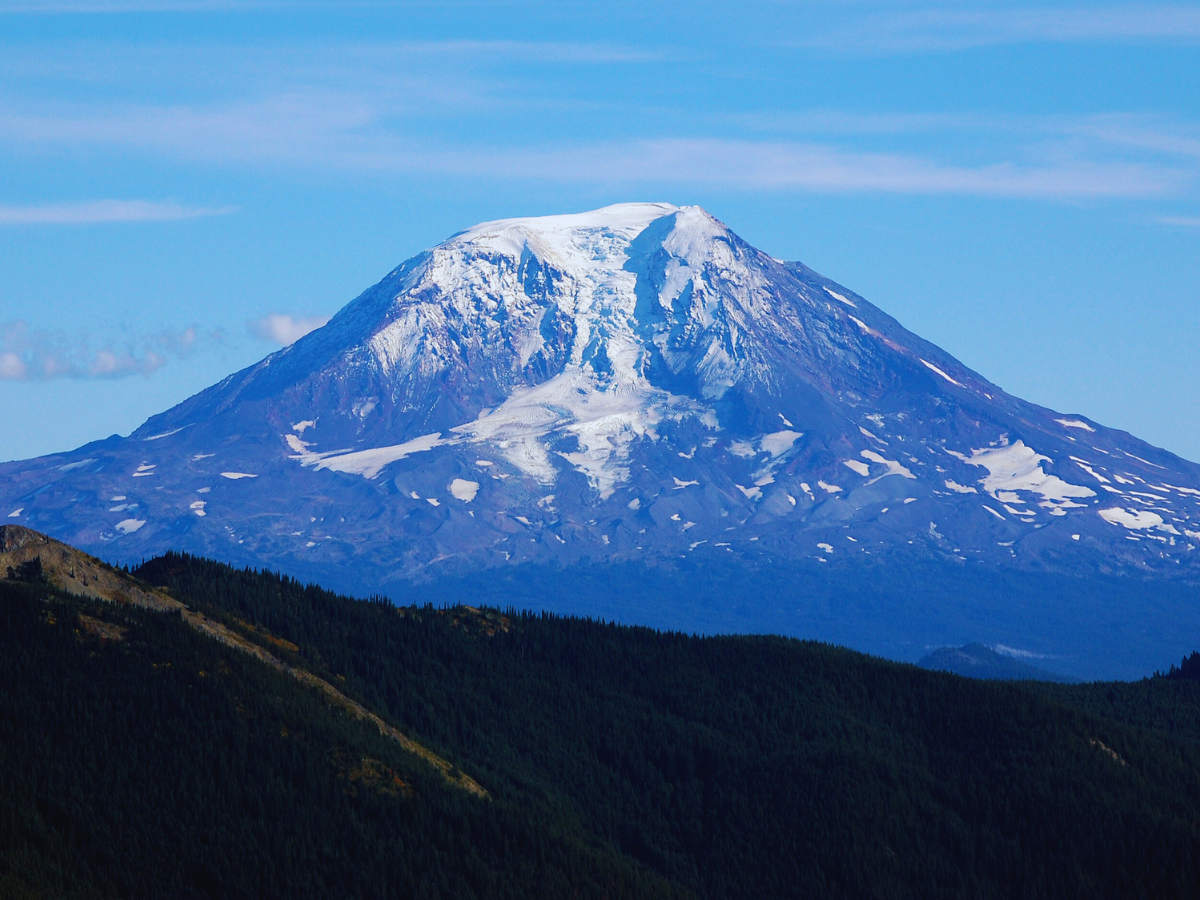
{"x": 635, "y": 383}
{"x": 150, "y": 756}
{"x": 978, "y": 661}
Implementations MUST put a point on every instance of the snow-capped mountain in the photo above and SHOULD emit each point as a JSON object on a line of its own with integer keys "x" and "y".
{"x": 632, "y": 382}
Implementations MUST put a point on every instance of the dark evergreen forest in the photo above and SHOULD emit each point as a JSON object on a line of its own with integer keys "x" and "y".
{"x": 140, "y": 759}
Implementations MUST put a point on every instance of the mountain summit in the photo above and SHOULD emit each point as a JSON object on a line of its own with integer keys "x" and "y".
{"x": 633, "y": 382}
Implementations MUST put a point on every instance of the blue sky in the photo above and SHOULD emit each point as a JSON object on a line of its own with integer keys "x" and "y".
{"x": 185, "y": 185}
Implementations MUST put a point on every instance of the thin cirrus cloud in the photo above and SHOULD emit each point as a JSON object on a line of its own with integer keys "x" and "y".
{"x": 43, "y": 355}
{"x": 284, "y": 329}
{"x": 827, "y": 169}
{"x": 96, "y": 212}
{"x": 349, "y": 133}
{"x": 942, "y": 28}
{"x": 1181, "y": 221}
{"x": 89, "y": 7}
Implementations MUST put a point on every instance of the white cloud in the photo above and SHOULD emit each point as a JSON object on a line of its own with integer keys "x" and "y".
{"x": 103, "y": 211}
{"x": 92, "y": 7}
{"x": 360, "y": 108}
{"x": 822, "y": 168}
{"x": 27, "y": 355}
{"x": 346, "y": 132}
{"x": 943, "y": 28}
{"x": 1185, "y": 221}
{"x": 12, "y": 367}
{"x": 283, "y": 329}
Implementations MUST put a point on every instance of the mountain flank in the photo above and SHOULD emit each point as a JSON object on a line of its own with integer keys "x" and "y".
{"x": 639, "y": 387}
{"x": 634, "y": 382}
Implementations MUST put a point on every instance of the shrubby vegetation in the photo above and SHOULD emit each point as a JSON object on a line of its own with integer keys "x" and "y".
{"x": 620, "y": 761}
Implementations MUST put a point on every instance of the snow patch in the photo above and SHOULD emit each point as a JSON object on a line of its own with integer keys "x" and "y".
{"x": 1018, "y": 468}
{"x": 68, "y": 467}
{"x": 960, "y": 488}
{"x": 864, "y": 327}
{"x": 836, "y": 296}
{"x": 1146, "y": 461}
{"x": 893, "y": 468}
{"x": 369, "y": 463}
{"x": 752, "y": 493}
{"x": 860, "y": 467}
{"x": 464, "y": 490}
{"x": 159, "y": 437}
{"x": 829, "y": 488}
{"x": 1087, "y": 468}
{"x": 16, "y": 512}
{"x": 779, "y": 442}
{"x": 604, "y": 419}
{"x": 234, "y": 476}
{"x": 198, "y": 507}
{"x": 1075, "y": 423}
{"x": 938, "y": 371}
{"x": 301, "y": 427}
{"x": 1183, "y": 490}
{"x": 1136, "y": 519}
{"x": 129, "y": 526}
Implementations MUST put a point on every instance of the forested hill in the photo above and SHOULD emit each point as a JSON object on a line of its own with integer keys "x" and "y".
{"x": 141, "y": 758}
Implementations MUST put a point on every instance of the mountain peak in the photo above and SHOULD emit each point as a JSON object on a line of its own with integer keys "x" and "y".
{"x": 632, "y": 381}
{"x": 620, "y": 218}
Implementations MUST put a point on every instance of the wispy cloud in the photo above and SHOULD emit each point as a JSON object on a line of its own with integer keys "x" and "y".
{"x": 825, "y": 169}
{"x": 347, "y": 132}
{"x": 42, "y": 355}
{"x": 284, "y": 329}
{"x": 945, "y": 28}
{"x": 424, "y": 109}
{"x": 100, "y": 7}
{"x": 104, "y": 211}
{"x": 1183, "y": 221}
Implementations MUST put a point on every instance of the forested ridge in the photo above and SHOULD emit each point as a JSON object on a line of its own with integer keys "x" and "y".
{"x": 619, "y": 761}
